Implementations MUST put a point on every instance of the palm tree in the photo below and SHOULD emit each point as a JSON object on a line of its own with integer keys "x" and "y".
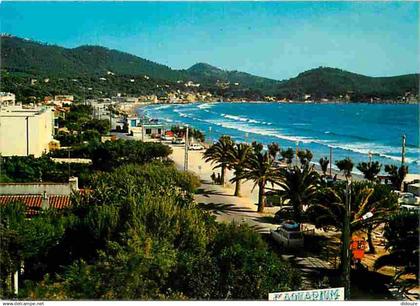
{"x": 345, "y": 165}
{"x": 238, "y": 157}
{"x": 260, "y": 170}
{"x": 376, "y": 201}
{"x": 288, "y": 155}
{"x": 305, "y": 156}
{"x": 370, "y": 170}
{"x": 299, "y": 186}
{"x": 218, "y": 154}
{"x": 323, "y": 162}
{"x": 396, "y": 174}
{"x": 273, "y": 150}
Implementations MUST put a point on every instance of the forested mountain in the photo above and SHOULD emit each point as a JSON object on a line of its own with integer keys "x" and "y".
{"x": 326, "y": 82}
{"x": 23, "y": 59}
{"x": 21, "y": 55}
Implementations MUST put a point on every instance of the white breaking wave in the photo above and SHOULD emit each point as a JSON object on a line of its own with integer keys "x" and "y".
{"x": 161, "y": 107}
{"x": 260, "y": 131}
{"x": 244, "y": 119}
{"x": 235, "y": 117}
{"x": 205, "y": 105}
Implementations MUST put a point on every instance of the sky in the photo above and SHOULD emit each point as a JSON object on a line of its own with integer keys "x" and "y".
{"x": 271, "y": 39}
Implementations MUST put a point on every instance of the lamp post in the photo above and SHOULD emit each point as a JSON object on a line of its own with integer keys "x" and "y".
{"x": 297, "y": 150}
{"x": 346, "y": 264}
{"x": 210, "y": 141}
{"x": 403, "y": 150}
{"x": 370, "y": 157}
{"x": 186, "y": 149}
{"x": 331, "y": 156}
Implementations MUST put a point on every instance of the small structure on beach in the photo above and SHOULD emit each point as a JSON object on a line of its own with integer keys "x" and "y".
{"x": 152, "y": 130}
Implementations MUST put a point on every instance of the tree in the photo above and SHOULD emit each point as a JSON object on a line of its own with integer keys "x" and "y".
{"x": 238, "y": 157}
{"x": 345, "y": 165}
{"x": 259, "y": 169}
{"x": 324, "y": 162}
{"x": 219, "y": 154}
{"x": 370, "y": 170}
{"x": 288, "y": 155}
{"x": 305, "y": 156}
{"x": 192, "y": 133}
{"x": 396, "y": 175}
{"x": 402, "y": 241}
{"x": 299, "y": 186}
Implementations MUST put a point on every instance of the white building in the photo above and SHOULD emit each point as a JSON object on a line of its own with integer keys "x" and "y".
{"x": 26, "y": 132}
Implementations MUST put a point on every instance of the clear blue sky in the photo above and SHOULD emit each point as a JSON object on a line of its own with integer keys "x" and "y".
{"x": 276, "y": 40}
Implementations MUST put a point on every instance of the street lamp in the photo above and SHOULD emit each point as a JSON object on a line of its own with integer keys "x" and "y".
{"x": 210, "y": 141}
{"x": 346, "y": 239}
{"x": 331, "y": 156}
{"x": 186, "y": 149}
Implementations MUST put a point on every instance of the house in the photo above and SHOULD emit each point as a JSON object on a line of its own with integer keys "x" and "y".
{"x": 147, "y": 129}
{"x": 26, "y": 131}
{"x": 38, "y": 196}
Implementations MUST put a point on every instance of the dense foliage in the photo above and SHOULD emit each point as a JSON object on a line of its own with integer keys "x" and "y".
{"x": 324, "y": 82}
{"x": 138, "y": 235}
{"x": 78, "y": 71}
{"x": 402, "y": 235}
{"x": 30, "y": 169}
{"x": 112, "y": 154}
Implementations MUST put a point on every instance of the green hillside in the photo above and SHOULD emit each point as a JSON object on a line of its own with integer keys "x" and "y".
{"x": 19, "y": 55}
{"x": 326, "y": 82}
{"x": 22, "y": 59}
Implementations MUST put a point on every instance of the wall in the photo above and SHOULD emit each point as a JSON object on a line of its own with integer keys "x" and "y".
{"x": 35, "y": 188}
{"x": 13, "y": 132}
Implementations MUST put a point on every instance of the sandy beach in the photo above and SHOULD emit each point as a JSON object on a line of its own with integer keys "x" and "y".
{"x": 198, "y": 166}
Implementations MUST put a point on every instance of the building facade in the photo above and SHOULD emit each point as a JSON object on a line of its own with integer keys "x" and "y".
{"x": 26, "y": 132}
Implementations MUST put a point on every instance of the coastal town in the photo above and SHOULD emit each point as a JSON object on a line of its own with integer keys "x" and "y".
{"x": 209, "y": 151}
{"x": 52, "y": 131}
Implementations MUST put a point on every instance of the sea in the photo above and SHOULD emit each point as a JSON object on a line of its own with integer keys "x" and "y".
{"x": 355, "y": 130}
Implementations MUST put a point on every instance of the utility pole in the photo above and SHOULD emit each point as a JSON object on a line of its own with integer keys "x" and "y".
{"x": 186, "y": 150}
{"x": 331, "y": 156}
{"x": 68, "y": 161}
{"x": 210, "y": 141}
{"x": 403, "y": 150}
{"x": 370, "y": 157}
{"x": 297, "y": 150}
{"x": 346, "y": 264}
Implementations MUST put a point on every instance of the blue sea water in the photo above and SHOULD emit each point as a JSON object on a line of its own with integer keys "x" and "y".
{"x": 352, "y": 130}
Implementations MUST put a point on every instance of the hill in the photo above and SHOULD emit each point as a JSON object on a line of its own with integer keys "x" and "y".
{"x": 21, "y": 57}
{"x": 326, "y": 82}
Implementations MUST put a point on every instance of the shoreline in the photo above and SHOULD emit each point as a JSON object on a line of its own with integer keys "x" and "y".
{"x": 350, "y": 149}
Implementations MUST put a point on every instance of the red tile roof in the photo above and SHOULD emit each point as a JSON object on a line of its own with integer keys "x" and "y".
{"x": 33, "y": 202}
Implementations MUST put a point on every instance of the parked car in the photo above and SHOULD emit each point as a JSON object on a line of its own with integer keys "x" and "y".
{"x": 407, "y": 198}
{"x": 178, "y": 141}
{"x": 288, "y": 235}
{"x": 167, "y": 138}
{"x": 195, "y": 147}
{"x": 284, "y": 213}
